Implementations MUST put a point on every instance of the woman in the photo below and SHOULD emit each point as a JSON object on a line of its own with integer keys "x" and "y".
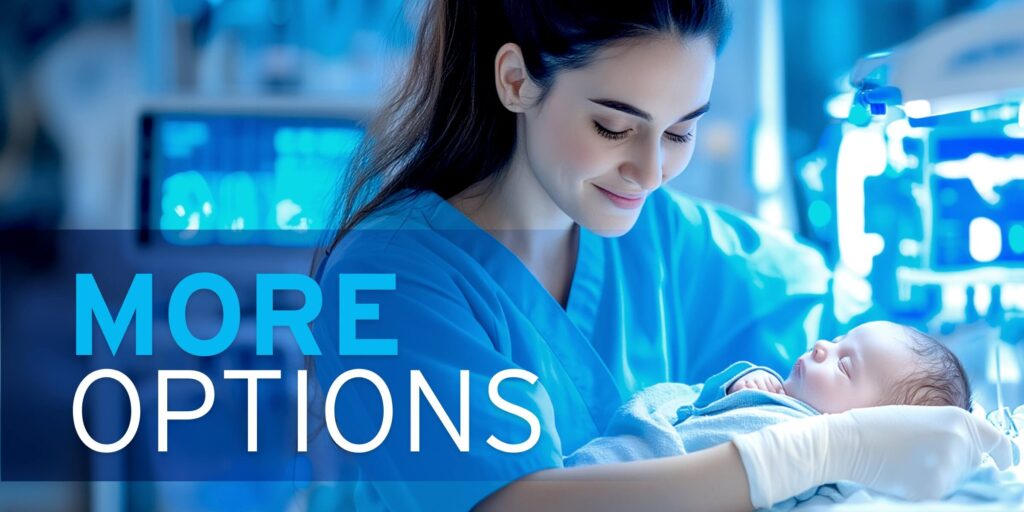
{"x": 514, "y": 189}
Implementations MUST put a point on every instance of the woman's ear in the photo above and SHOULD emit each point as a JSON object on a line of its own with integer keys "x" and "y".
{"x": 511, "y": 78}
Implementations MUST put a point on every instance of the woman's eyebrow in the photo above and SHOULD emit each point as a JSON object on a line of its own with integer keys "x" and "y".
{"x": 633, "y": 111}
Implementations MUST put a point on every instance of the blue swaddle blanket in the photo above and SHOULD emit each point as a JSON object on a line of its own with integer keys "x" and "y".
{"x": 673, "y": 419}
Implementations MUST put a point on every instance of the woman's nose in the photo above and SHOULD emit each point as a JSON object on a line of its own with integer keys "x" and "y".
{"x": 645, "y": 169}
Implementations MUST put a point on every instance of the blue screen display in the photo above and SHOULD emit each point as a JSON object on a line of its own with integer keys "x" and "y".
{"x": 957, "y": 204}
{"x": 978, "y": 181}
{"x": 243, "y": 179}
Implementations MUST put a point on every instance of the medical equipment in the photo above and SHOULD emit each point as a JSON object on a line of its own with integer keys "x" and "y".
{"x": 919, "y": 206}
{"x": 267, "y": 168}
{"x": 258, "y": 174}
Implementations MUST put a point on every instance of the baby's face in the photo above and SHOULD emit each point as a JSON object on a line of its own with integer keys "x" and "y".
{"x": 851, "y": 371}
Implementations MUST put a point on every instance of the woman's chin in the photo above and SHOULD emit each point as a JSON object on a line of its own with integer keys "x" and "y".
{"x": 609, "y": 226}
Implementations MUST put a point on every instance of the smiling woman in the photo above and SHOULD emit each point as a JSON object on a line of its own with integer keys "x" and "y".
{"x": 514, "y": 188}
{"x": 599, "y": 141}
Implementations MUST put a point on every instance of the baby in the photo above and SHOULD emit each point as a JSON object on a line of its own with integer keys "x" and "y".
{"x": 878, "y": 363}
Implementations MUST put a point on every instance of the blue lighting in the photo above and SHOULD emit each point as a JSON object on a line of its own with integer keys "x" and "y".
{"x": 221, "y": 179}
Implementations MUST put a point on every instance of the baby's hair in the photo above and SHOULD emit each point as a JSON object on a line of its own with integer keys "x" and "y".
{"x": 940, "y": 378}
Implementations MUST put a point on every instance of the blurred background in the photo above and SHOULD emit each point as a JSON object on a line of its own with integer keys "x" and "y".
{"x": 213, "y": 122}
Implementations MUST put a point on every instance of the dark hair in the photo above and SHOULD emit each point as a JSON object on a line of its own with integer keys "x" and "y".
{"x": 445, "y": 128}
{"x": 939, "y": 379}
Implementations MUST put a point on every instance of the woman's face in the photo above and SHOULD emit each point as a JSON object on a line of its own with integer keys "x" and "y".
{"x": 610, "y": 133}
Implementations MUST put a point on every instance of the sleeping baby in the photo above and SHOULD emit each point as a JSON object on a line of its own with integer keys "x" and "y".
{"x": 878, "y": 363}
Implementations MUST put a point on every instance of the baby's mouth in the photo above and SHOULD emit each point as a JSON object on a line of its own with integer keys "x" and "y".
{"x": 798, "y": 368}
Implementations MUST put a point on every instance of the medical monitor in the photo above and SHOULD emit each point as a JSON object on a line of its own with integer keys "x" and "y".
{"x": 259, "y": 174}
{"x": 977, "y": 189}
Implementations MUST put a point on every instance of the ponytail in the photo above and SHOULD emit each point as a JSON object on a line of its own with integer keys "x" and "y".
{"x": 444, "y": 129}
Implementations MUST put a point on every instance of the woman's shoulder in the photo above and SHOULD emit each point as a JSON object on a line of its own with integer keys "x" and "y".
{"x": 432, "y": 277}
{"x": 679, "y": 211}
{"x": 704, "y": 230}
{"x": 670, "y": 218}
{"x": 674, "y": 207}
{"x": 398, "y": 237}
{"x": 405, "y": 210}
{"x": 728, "y": 228}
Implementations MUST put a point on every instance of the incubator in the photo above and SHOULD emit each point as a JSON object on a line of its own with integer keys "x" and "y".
{"x": 916, "y": 195}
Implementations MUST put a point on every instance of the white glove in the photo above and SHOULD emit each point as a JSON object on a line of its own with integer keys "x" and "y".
{"x": 911, "y": 452}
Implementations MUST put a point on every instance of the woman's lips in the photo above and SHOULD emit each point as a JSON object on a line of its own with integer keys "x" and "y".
{"x": 624, "y": 201}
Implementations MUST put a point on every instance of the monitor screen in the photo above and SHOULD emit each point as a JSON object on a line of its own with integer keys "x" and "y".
{"x": 210, "y": 178}
{"x": 976, "y": 215}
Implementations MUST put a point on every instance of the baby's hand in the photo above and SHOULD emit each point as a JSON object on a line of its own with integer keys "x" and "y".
{"x": 758, "y": 379}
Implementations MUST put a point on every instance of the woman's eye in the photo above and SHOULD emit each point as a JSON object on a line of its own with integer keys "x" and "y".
{"x": 609, "y": 134}
{"x": 680, "y": 139}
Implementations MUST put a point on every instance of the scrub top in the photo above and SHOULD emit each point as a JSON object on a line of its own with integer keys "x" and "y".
{"x": 689, "y": 290}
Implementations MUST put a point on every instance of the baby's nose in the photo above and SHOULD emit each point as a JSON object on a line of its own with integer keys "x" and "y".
{"x": 818, "y": 354}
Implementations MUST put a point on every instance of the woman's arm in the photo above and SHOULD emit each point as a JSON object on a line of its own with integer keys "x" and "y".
{"x": 912, "y": 452}
{"x": 712, "y": 479}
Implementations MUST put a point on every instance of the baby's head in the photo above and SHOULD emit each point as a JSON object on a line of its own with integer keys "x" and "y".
{"x": 878, "y": 363}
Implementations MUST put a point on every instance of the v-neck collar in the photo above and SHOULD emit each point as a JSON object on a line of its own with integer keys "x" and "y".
{"x": 567, "y": 331}
{"x": 502, "y": 263}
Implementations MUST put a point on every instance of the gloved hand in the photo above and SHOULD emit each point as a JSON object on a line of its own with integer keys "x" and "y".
{"x": 912, "y": 452}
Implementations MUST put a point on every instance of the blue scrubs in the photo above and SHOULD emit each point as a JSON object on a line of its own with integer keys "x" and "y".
{"x": 690, "y": 289}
